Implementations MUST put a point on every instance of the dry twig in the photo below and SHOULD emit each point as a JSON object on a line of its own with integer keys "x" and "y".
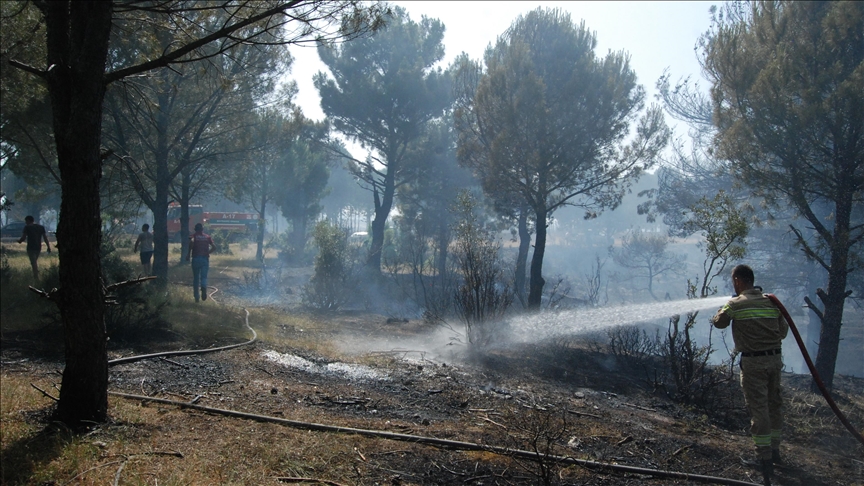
{"x": 307, "y": 480}
{"x": 52, "y": 397}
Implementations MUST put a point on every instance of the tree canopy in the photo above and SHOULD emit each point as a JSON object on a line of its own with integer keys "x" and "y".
{"x": 788, "y": 96}
{"x": 383, "y": 93}
{"x": 76, "y": 70}
{"x": 549, "y": 121}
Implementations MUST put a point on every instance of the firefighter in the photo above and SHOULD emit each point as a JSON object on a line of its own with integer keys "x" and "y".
{"x": 758, "y": 328}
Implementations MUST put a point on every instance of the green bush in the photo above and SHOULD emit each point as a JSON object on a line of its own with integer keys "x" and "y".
{"x": 221, "y": 239}
{"x": 332, "y": 281}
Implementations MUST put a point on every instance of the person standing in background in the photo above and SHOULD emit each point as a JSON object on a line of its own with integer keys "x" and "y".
{"x": 145, "y": 241}
{"x": 34, "y": 234}
{"x": 200, "y": 247}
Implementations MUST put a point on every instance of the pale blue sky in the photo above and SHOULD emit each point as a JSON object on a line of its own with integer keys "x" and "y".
{"x": 656, "y": 34}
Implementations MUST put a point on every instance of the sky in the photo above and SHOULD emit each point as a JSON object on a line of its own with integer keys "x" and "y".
{"x": 657, "y": 35}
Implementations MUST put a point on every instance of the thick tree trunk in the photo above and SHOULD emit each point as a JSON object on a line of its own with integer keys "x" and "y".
{"x": 835, "y": 297}
{"x": 160, "y": 227}
{"x": 77, "y": 41}
{"x": 814, "y": 324}
{"x": 298, "y": 235}
{"x": 382, "y": 211}
{"x": 259, "y": 250}
{"x": 535, "y": 287}
{"x": 185, "y": 186}
{"x": 522, "y": 255}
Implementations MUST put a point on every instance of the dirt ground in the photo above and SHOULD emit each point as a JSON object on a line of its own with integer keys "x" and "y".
{"x": 560, "y": 398}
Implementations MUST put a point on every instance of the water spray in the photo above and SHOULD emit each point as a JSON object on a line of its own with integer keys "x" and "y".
{"x": 534, "y": 327}
{"x": 816, "y": 378}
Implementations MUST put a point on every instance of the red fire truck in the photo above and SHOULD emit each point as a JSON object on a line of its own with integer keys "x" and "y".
{"x": 237, "y": 224}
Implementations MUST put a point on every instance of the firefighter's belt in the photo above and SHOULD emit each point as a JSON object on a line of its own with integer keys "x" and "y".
{"x": 751, "y": 354}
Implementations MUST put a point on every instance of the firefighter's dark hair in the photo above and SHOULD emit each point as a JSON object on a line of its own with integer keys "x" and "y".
{"x": 744, "y": 274}
{"x": 199, "y": 227}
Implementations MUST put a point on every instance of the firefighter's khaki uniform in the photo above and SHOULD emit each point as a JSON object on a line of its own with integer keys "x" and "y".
{"x": 758, "y": 329}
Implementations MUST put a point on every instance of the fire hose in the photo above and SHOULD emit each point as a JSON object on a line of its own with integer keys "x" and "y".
{"x": 445, "y": 443}
{"x": 816, "y": 378}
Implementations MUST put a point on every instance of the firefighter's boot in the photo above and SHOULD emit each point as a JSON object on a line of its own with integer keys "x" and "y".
{"x": 775, "y": 456}
{"x": 203, "y": 293}
{"x": 767, "y": 471}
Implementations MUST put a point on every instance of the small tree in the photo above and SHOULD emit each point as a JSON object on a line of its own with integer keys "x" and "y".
{"x": 646, "y": 255}
{"x": 483, "y": 297}
{"x": 724, "y": 228}
{"x": 328, "y": 289}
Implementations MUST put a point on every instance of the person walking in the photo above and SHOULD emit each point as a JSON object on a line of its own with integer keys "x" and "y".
{"x": 758, "y": 329}
{"x": 145, "y": 241}
{"x": 200, "y": 247}
{"x": 34, "y": 234}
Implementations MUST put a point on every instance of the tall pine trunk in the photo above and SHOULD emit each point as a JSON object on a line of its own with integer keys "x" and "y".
{"x": 383, "y": 205}
{"x": 535, "y": 286}
{"x": 835, "y": 298}
{"x": 522, "y": 255}
{"x": 77, "y": 42}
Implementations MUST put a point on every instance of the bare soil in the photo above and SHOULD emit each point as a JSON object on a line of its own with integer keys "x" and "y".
{"x": 561, "y": 397}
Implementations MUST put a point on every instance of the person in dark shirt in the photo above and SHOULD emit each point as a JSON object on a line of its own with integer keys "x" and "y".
{"x": 34, "y": 234}
{"x": 200, "y": 247}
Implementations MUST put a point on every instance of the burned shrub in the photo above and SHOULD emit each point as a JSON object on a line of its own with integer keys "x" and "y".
{"x": 632, "y": 345}
{"x": 695, "y": 381}
{"x": 482, "y": 298}
{"x": 543, "y": 430}
{"x": 134, "y": 311}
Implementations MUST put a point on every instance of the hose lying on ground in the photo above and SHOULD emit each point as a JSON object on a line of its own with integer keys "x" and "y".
{"x": 444, "y": 443}
{"x": 130, "y": 359}
{"x": 816, "y": 378}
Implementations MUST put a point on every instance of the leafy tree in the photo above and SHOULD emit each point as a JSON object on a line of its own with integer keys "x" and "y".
{"x": 26, "y": 146}
{"x": 172, "y": 128}
{"x": 549, "y": 120}
{"x": 646, "y": 255}
{"x": 331, "y": 285}
{"x": 723, "y": 228}
{"x": 437, "y": 180}
{"x": 76, "y": 71}
{"x": 788, "y": 99}
{"x": 691, "y": 170}
{"x": 509, "y": 205}
{"x": 255, "y": 180}
{"x": 383, "y": 93}
{"x": 303, "y": 177}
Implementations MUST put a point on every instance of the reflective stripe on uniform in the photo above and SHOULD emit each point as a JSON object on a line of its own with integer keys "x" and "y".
{"x": 767, "y": 313}
{"x": 762, "y": 440}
